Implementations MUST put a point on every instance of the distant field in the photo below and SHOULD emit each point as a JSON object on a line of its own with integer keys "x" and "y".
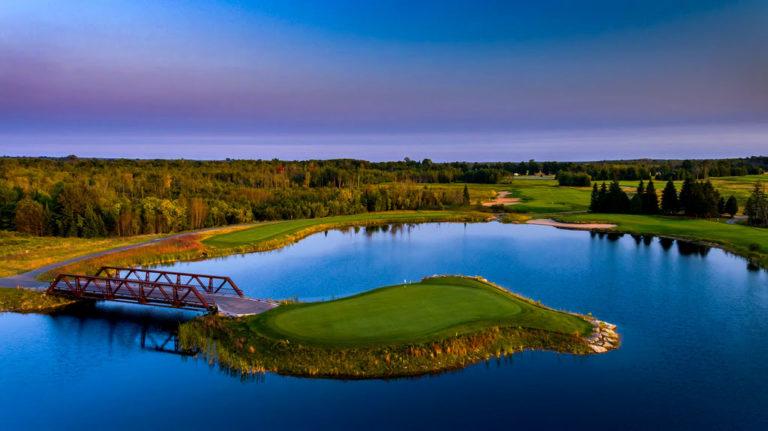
{"x": 541, "y": 196}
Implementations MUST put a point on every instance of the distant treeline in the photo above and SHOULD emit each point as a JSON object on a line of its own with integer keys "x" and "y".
{"x": 582, "y": 174}
{"x": 103, "y": 197}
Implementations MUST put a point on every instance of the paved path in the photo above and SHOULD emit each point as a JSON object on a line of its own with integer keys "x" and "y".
{"x": 227, "y": 305}
{"x": 29, "y": 279}
{"x": 235, "y": 306}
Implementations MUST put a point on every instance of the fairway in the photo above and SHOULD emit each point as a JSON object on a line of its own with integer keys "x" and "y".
{"x": 288, "y": 229}
{"x": 431, "y": 309}
{"x": 744, "y": 240}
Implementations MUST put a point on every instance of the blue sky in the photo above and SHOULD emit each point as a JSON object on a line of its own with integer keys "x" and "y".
{"x": 125, "y": 73}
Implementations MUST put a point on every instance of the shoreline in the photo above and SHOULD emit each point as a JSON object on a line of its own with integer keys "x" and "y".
{"x": 571, "y": 226}
{"x": 255, "y": 345}
{"x": 145, "y": 255}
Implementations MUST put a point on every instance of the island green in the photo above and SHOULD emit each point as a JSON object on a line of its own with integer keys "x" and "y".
{"x": 434, "y": 325}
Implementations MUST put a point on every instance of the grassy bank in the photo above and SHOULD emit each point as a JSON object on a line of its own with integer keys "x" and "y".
{"x": 272, "y": 235}
{"x": 747, "y": 241}
{"x": 29, "y": 301}
{"x": 437, "y": 324}
{"x": 259, "y": 237}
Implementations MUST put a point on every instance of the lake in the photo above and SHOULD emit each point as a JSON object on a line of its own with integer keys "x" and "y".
{"x": 694, "y": 323}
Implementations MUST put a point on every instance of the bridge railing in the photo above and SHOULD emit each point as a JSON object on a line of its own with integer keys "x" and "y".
{"x": 126, "y": 290}
{"x": 213, "y": 284}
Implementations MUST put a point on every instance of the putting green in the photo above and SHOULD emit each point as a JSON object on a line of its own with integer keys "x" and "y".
{"x": 431, "y": 309}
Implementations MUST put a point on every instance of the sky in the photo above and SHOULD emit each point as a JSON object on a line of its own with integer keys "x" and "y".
{"x": 447, "y": 80}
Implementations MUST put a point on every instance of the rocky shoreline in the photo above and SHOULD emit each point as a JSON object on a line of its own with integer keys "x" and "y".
{"x": 604, "y": 337}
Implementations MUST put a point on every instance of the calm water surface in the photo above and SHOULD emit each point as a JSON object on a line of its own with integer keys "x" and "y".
{"x": 694, "y": 324}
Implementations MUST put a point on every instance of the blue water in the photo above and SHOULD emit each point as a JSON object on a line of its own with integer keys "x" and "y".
{"x": 694, "y": 323}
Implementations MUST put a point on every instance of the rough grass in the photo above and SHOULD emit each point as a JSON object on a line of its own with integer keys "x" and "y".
{"x": 21, "y": 253}
{"x": 20, "y": 300}
{"x": 438, "y": 324}
{"x": 747, "y": 241}
{"x": 170, "y": 250}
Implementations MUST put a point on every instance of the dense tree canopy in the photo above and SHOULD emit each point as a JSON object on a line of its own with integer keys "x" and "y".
{"x": 96, "y": 197}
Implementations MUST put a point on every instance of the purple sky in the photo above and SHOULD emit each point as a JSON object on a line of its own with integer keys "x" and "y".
{"x": 559, "y": 79}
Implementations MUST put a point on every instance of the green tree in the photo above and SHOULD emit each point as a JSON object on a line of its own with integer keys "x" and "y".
{"x": 616, "y": 200}
{"x": 669, "y": 202}
{"x": 650, "y": 199}
{"x": 30, "y": 217}
{"x": 686, "y": 194}
{"x": 636, "y": 203}
{"x": 756, "y": 208}
{"x": 731, "y": 206}
{"x": 594, "y": 200}
{"x": 465, "y": 195}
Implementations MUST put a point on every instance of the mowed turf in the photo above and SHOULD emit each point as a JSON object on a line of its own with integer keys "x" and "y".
{"x": 268, "y": 231}
{"x": 741, "y": 239}
{"x": 431, "y": 309}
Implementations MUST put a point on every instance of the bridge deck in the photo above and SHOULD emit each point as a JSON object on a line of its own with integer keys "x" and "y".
{"x": 235, "y": 306}
{"x": 229, "y": 302}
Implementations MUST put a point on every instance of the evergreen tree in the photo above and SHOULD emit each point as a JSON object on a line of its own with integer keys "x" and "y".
{"x": 731, "y": 206}
{"x": 711, "y": 199}
{"x": 636, "y": 203}
{"x": 594, "y": 205}
{"x": 650, "y": 199}
{"x": 465, "y": 195}
{"x": 617, "y": 200}
{"x": 721, "y": 205}
{"x": 702, "y": 200}
{"x": 669, "y": 202}
{"x": 757, "y": 207}
{"x": 602, "y": 198}
{"x": 686, "y": 192}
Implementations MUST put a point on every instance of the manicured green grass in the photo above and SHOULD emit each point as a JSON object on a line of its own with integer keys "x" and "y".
{"x": 281, "y": 232}
{"x": 29, "y": 301}
{"x": 545, "y": 196}
{"x": 740, "y": 239}
{"x": 431, "y": 309}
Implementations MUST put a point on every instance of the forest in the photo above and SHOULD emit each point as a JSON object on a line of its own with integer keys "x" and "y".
{"x": 120, "y": 197}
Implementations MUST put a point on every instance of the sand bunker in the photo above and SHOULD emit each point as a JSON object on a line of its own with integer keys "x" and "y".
{"x": 501, "y": 199}
{"x": 577, "y": 226}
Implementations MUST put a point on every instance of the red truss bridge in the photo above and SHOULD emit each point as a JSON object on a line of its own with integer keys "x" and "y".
{"x": 212, "y": 284}
{"x": 160, "y": 288}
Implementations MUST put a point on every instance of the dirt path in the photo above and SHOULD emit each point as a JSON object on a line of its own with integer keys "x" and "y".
{"x": 574, "y": 226}
{"x": 501, "y": 199}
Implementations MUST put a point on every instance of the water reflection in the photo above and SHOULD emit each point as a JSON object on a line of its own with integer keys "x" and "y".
{"x": 687, "y": 248}
{"x": 125, "y": 326}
